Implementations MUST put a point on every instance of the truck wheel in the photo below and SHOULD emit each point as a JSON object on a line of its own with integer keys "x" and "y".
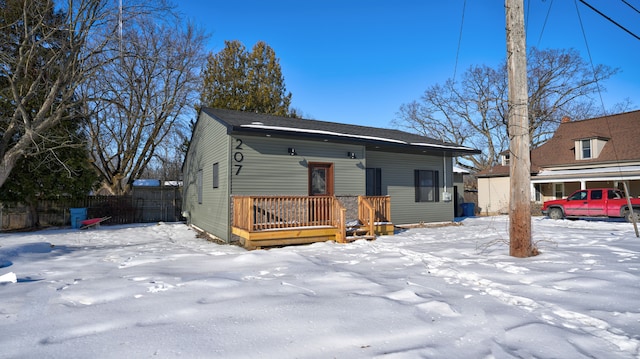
{"x": 636, "y": 214}
{"x": 556, "y": 213}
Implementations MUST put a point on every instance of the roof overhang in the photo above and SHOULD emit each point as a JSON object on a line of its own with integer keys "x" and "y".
{"x": 621, "y": 173}
{"x": 371, "y": 142}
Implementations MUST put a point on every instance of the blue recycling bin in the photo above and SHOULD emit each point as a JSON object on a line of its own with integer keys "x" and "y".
{"x": 468, "y": 209}
{"x": 77, "y": 215}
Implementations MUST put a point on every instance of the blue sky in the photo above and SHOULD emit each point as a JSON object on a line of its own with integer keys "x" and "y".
{"x": 357, "y": 61}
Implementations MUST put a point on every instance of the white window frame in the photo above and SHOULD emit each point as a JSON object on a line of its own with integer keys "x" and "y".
{"x": 558, "y": 188}
{"x": 582, "y": 149}
{"x": 199, "y": 185}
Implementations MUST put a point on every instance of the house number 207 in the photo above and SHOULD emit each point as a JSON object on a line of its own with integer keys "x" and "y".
{"x": 238, "y": 157}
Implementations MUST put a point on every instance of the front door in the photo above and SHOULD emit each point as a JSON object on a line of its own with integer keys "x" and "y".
{"x": 320, "y": 179}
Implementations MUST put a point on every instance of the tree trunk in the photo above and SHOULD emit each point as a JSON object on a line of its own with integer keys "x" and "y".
{"x": 33, "y": 218}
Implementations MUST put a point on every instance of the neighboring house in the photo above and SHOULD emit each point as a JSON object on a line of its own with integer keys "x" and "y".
{"x": 459, "y": 174}
{"x": 598, "y": 152}
{"x": 259, "y": 179}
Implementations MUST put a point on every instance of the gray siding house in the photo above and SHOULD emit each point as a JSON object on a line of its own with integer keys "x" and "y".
{"x": 255, "y": 177}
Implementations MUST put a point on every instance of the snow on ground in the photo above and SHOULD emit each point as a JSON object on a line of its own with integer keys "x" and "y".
{"x": 450, "y": 292}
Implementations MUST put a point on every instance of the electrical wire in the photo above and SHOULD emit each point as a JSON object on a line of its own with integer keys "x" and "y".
{"x": 631, "y": 6}
{"x": 595, "y": 77}
{"x": 610, "y": 19}
{"x": 545, "y": 23}
{"x": 455, "y": 68}
{"x": 586, "y": 43}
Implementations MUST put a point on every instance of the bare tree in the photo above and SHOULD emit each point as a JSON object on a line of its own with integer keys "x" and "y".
{"x": 42, "y": 64}
{"x": 139, "y": 100}
{"x": 473, "y": 111}
{"x": 468, "y": 112}
{"x": 48, "y": 50}
{"x": 561, "y": 83}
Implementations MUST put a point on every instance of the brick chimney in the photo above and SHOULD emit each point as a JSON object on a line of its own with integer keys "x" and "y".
{"x": 565, "y": 119}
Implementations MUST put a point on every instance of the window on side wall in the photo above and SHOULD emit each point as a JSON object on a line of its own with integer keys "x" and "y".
{"x": 586, "y": 149}
{"x": 215, "y": 175}
{"x": 199, "y": 186}
{"x": 426, "y": 185}
{"x": 374, "y": 181}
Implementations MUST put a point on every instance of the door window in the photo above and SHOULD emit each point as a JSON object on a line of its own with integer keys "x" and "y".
{"x": 320, "y": 179}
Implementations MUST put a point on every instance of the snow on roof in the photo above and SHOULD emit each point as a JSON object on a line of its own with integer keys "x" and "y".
{"x": 619, "y": 169}
{"x": 331, "y": 133}
{"x": 146, "y": 183}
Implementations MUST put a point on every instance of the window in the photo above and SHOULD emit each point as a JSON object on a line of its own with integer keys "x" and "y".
{"x": 558, "y": 190}
{"x": 578, "y": 196}
{"x": 215, "y": 175}
{"x": 596, "y": 194}
{"x": 538, "y": 192}
{"x": 586, "y": 149}
{"x": 426, "y": 185}
{"x": 505, "y": 159}
{"x": 320, "y": 179}
{"x": 374, "y": 181}
{"x": 199, "y": 186}
{"x": 615, "y": 194}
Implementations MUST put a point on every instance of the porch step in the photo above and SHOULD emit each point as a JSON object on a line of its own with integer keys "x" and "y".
{"x": 355, "y": 238}
{"x": 356, "y": 231}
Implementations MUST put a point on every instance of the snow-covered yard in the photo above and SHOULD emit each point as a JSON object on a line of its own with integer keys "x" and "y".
{"x": 448, "y": 292}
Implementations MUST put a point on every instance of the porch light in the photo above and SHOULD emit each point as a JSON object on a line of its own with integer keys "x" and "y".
{"x": 292, "y": 151}
{"x": 351, "y": 155}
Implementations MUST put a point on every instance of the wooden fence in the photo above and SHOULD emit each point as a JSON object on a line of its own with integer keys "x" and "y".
{"x": 143, "y": 205}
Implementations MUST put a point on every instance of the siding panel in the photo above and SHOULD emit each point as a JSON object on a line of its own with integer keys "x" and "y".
{"x": 268, "y": 169}
{"x": 398, "y": 182}
{"x": 209, "y": 144}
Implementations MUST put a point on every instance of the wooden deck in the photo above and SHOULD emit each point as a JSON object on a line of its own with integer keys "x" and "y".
{"x": 267, "y": 221}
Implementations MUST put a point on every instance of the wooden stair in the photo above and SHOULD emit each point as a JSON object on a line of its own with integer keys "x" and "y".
{"x": 357, "y": 232}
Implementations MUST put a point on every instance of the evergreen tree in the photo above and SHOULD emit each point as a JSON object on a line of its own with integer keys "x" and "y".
{"x": 61, "y": 171}
{"x": 53, "y": 162}
{"x": 246, "y": 81}
{"x": 45, "y": 52}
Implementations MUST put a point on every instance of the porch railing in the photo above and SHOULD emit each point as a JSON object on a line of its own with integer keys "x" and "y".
{"x": 257, "y": 213}
{"x": 381, "y": 206}
{"x": 366, "y": 214}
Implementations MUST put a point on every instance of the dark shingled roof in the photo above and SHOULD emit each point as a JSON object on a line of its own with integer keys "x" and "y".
{"x": 238, "y": 122}
{"x": 622, "y": 132}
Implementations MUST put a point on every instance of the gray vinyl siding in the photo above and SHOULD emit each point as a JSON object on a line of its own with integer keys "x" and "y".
{"x": 268, "y": 169}
{"x": 209, "y": 144}
{"x": 398, "y": 182}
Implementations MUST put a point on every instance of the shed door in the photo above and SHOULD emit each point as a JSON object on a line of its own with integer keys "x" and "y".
{"x": 320, "y": 179}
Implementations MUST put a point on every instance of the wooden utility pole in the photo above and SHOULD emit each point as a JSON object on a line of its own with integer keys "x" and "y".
{"x": 520, "y": 162}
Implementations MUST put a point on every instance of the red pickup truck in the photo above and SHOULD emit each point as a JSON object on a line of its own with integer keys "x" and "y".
{"x": 596, "y": 202}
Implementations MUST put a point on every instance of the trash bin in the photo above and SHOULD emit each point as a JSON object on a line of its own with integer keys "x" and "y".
{"x": 77, "y": 215}
{"x": 468, "y": 209}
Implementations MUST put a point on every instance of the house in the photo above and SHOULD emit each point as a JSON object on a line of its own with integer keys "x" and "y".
{"x": 265, "y": 180}
{"x": 597, "y": 152}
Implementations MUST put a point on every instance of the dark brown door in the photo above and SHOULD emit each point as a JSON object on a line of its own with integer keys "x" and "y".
{"x": 320, "y": 184}
{"x": 320, "y": 179}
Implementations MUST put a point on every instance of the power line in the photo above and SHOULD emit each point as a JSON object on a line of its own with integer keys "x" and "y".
{"x": 595, "y": 75}
{"x": 631, "y": 6}
{"x": 611, "y": 20}
{"x": 545, "y": 23}
{"x": 455, "y": 68}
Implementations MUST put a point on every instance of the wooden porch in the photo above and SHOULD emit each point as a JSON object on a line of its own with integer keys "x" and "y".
{"x": 266, "y": 221}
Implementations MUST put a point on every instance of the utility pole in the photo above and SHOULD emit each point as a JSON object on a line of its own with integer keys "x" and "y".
{"x": 520, "y": 161}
